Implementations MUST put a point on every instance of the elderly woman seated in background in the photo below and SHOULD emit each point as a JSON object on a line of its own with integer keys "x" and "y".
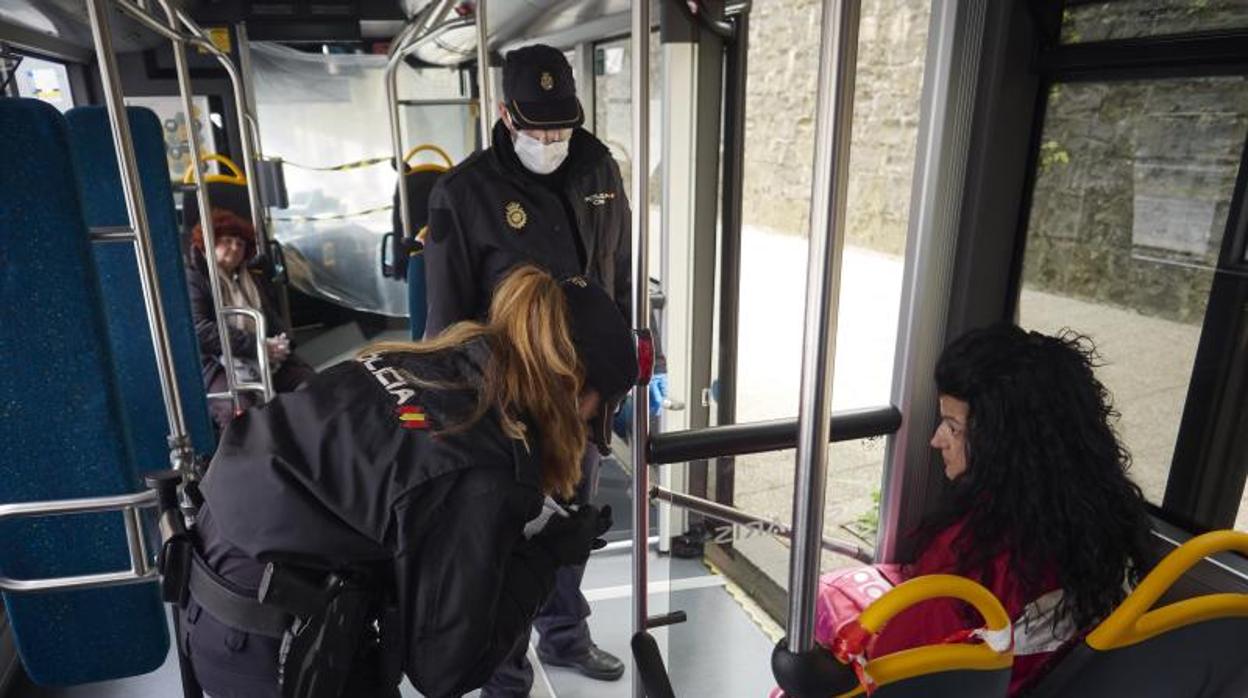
{"x": 235, "y": 243}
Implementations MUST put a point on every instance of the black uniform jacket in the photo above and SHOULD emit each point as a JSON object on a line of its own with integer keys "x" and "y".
{"x": 489, "y": 214}
{"x": 350, "y": 471}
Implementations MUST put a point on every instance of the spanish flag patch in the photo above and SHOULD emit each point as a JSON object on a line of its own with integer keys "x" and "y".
{"x": 413, "y": 417}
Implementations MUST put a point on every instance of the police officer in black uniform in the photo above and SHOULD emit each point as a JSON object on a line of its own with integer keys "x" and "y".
{"x": 374, "y": 523}
{"x": 546, "y": 192}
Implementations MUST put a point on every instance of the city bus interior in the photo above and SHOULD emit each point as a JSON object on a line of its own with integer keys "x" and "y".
{"x": 824, "y": 194}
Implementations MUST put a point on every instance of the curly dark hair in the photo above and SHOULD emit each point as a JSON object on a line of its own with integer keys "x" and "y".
{"x": 1046, "y": 476}
{"x": 227, "y": 224}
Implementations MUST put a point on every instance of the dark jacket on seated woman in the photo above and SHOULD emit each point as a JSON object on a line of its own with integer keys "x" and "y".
{"x": 240, "y": 286}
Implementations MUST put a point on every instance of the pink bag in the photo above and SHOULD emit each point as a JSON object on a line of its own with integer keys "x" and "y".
{"x": 844, "y": 594}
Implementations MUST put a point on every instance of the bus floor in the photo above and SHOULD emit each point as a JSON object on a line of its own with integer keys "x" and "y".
{"x": 719, "y": 651}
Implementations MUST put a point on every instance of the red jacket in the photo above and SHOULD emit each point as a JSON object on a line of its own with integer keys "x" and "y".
{"x": 931, "y": 622}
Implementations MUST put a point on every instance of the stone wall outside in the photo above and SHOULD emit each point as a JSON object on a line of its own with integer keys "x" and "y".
{"x": 1133, "y": 190}
{"x": 780, "y": 117}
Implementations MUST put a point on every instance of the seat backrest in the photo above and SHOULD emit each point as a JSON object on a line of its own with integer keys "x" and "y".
{"x": 135, "y": 358}
{"x": 408, "y": 259}
{"x": 1193, "y": 648}
{"x": 955, "y": 669}
{"x": 64, "y": 436}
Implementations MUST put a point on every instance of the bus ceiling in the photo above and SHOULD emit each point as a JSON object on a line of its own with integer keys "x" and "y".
{"x": 60, "y": 29}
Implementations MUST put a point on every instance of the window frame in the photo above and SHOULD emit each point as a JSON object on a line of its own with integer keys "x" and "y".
{"x": 1209, "y": 468}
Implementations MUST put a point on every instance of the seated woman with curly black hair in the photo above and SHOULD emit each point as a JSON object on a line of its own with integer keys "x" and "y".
{"x": 1039, "y": 510}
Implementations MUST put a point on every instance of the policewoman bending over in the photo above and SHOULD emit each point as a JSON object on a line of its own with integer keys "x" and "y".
{"x": 396, "y": 488}
{"x": 545, "y": 192}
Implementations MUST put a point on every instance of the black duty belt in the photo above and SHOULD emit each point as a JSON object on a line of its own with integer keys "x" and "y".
{"x": 234, "y": 606}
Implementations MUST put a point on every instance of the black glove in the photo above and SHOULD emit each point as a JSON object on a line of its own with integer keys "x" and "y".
{"x": 570, "y": 539}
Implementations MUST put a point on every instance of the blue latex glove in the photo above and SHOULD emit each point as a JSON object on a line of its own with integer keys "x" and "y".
{"x": 658, "y": 393}
{"x": 622, "y": 422}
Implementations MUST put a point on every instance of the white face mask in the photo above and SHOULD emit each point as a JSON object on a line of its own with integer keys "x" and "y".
{"x": 540, "y": 158}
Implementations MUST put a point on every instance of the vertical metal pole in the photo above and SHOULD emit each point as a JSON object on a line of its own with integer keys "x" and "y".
{"x": 837, "y": 57}
{"x": 641, "y": 313}
{"x": 242, "y": 114}
{"x": 205, "y": 210}
{"x": 180, "y": 455}
{"x": 485, "y": 101}
{"x": 396, "y": 130}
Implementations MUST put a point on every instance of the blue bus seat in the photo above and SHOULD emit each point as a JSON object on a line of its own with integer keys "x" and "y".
{"x": 64, "y": 436}
{"x": 135, "y": 358}
{"x": 1193, "y": 648}
{"x": 409, "y": 262}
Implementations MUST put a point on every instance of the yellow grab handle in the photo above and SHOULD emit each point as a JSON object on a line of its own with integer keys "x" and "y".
{"x": 934, "y": 586}
{"x": 429, "y": 148}
{"x": 235, "y": 177}
{"x": 1133, "y": 622}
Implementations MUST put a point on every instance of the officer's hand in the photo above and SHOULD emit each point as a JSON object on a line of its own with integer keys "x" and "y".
{"x": 570, "y": 539}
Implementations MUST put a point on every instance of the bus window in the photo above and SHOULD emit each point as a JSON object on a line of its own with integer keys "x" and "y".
{"x": 1130, "y": 19}
{"x": 1131, "y": 200}
{"x": 45, "y": 80}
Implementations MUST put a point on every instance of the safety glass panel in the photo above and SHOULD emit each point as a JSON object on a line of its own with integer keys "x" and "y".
{"x": 326, "y": 117}
{"x": 613, "y": 122}
{"x": 1132, "y": 193}
{"x": 1129, "y": 19}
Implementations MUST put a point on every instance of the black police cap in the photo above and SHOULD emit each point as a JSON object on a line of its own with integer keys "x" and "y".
{"x": 604, "y": 341}
{"x": 539, "y": 89}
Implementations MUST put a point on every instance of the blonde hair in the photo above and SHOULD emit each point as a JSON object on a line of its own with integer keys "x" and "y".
{"x": 533, "y": 372}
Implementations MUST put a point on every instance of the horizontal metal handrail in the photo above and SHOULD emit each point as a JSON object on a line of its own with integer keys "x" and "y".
{"x": 727, "y": 514}
{"x": 262, "y": 355}
{"x": 112, "y": 233}
{"x": 141, "y": 569}
{"x": 441, "y": 102}
{"x": 148, "y": 20}
{"x": 762, "y": 437}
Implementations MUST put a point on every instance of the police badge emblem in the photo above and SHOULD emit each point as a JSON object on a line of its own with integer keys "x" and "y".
{"x": 516, "y": 216}
{"x": 547, "y": 81}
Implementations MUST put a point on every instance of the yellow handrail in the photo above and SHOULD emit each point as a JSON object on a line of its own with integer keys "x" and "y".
{"x": 1133, "y": 621}
{"x": 929, "y": 659}
{"x": 429, "y": 167}
{"x": 236, "y": 175}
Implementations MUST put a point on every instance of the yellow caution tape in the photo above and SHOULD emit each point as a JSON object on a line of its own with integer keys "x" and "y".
{"x": 369, "y": 162}
{"x": 334, "y": 216}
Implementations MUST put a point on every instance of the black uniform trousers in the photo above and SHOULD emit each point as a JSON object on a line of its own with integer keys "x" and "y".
{"x": 561, "y": 622}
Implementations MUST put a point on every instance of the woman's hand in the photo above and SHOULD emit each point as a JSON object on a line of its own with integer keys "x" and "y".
{"x": 278, "y": 348}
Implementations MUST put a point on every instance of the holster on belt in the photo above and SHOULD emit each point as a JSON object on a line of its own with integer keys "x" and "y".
{"x": 177, "y": 549}
{"x": 333, "y": 615}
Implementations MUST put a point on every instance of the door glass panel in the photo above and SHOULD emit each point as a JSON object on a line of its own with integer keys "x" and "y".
{"x": 1128, "y": 19}
{"x": 1130, "y": 204}
{"x": 779, "y": 149}
{"x": 613, "y": 122}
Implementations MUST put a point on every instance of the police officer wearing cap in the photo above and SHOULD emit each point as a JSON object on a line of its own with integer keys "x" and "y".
{"x": 398, "y": 516}
{"x": 546, "y": 192}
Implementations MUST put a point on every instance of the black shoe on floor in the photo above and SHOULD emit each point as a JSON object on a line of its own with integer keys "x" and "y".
{"x": 595, "y": 664}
